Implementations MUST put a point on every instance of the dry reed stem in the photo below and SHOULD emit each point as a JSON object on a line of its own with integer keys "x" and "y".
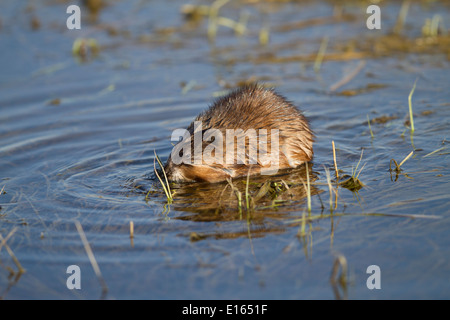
{"x": 348, "y": 77}
{"x": 334, "y": 159}
{"x": 91, "y": 257}
{"x": 131, "y": 229}
{"x": 10, "y": 252}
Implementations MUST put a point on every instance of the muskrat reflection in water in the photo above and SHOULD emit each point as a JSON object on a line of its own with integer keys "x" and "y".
{"x": 249, "y": 110}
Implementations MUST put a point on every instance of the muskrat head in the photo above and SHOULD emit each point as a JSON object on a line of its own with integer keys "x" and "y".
{"x": 188, "y": 162}
{"x": 191, "y": 173}
{"x": 185, "y": 172}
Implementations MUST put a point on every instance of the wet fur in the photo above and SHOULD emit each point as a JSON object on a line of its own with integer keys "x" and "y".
{"x": 249, "y": 107}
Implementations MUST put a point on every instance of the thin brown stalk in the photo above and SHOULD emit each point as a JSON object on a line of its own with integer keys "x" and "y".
{"x": 10, "y": 252}
{"x": 334, "y": 159}
{"x": 348, "y": 77}
{"x": 131, "y": 229}
{"x": 91, "y": 257}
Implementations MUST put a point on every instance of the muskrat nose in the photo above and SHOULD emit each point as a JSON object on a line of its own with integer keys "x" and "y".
{"x": 169, "y": 169}
{"x": 174, "y": 173}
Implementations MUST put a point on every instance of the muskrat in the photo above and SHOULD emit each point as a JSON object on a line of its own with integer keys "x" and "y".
{"x": 253, "y": 114}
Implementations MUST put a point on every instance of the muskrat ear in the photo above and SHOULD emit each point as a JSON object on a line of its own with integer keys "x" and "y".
{"x": 203, "y": 173}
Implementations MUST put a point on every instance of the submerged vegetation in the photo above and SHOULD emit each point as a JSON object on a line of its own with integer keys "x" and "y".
{"x": 353, "y": 183}
{"x": 212, "y": 19}
{"x": 434, "y": 37}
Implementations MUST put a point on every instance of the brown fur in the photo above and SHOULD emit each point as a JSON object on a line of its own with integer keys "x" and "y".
{"x": 250, "y": 107}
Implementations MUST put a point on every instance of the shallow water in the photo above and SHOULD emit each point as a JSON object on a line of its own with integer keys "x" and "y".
{"x": 78, "y": 134}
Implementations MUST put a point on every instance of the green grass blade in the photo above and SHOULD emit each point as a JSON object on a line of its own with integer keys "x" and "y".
{"x": 411, "y": 118}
